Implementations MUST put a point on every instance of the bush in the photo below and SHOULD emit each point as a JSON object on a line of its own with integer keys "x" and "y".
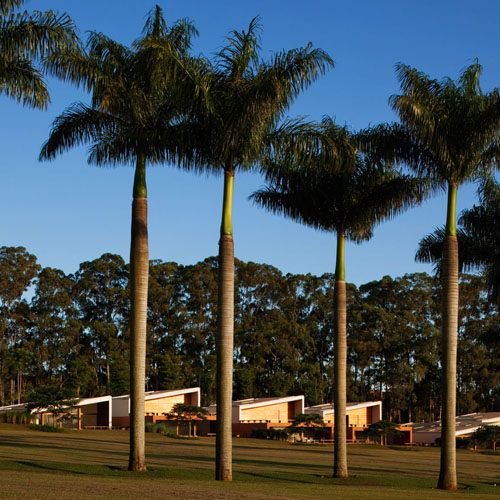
{"x": 277, "y": 434}
{"x": 462, "y": 442}
{"x": 259, "y": 433}
{"x": 158, "y": 428}
{"x": 45, "y": 428}
{"x": 164, "y": 430}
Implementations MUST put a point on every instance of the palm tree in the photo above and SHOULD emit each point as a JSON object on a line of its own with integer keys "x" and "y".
{"x": 136, "y": 96}
{"x": 249, "y": 96}
{"x": 336, "y": 189}
{"x": 24, "y": 37}
{"x": 449, "y": 132}
{"x": 478, "y": 238}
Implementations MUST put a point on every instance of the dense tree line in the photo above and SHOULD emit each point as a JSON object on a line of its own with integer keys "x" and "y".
{"x": 72, "y": 331}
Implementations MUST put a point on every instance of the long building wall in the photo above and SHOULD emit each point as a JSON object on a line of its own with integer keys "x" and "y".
{"x": 274, "y": 413}
{"x": 360, "y": 417}
{"x": 165, "y": 405}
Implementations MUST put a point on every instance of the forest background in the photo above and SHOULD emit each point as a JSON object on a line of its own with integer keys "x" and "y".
{"x": 73, "y": 333}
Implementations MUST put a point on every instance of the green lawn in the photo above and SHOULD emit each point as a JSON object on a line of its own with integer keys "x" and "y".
{"x": 92, "y": 465}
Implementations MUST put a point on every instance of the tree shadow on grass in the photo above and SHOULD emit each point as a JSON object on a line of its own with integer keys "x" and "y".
{"x": 268, "y": 463}
{"x": 272, "y": 477}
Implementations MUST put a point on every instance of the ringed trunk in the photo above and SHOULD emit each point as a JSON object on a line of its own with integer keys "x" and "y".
{"x": 448, "y": 469}
{"x": 224, "y": 339}
{"x": 340, "y": 364}
{"x": 139, "y": 270}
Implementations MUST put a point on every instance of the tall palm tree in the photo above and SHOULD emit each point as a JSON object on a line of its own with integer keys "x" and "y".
{"x": 24, "y": 37}
{"x": 336, "y": 189}
{"x": 478, "y": 237}
{"x": 449, "y": 131}
{"x": 136, "y": 96}
{"x": 249, "y": 96}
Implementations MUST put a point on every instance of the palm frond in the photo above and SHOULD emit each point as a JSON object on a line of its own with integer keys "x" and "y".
{"x": 74, "y": 66}
{"x": 36, "y": 34}
{"x": 241, "y": 53}
{"x": 20, "y": 80}
{"x": 78, "y": 124}
{"x": 6, "y": 6}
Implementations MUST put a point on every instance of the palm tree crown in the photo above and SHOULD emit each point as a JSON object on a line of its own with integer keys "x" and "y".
{"x": 453, "y": 125}
{"x": 249, "y": 97}
{"x": 337, "y": 188}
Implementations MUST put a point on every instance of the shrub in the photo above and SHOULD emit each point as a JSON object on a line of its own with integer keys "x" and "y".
{"x": 277, "y": 434}
{"x": 158, "y": 428}
{"x": 462, "y": 442}
{"x": 259, "y": 433}
{"x": 45, "y": 428}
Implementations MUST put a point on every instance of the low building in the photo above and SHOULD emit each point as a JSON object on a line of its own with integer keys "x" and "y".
{"x": 156, "y": 404}
{"x": 358, "y": 416}
{"x": 465, "y": 426}
{"x": 87, "y": 413}
{"x": 257, "y": 413}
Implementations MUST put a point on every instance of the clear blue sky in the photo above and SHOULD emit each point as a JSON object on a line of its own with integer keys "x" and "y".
{"x": 66, "y": 212}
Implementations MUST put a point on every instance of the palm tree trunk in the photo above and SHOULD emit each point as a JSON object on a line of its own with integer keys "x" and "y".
{"x": 139, "y": 269}
{"x": 448, "y": 470}
{"x": 340, "y": 363}
{"x": 224, "y": 340}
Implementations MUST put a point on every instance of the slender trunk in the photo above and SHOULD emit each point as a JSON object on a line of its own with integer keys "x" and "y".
{"x": 448, "y": 470}
{"x": 139, "y": 268}
{"x": 340, "y": 364}
{"x": 224, "y": 340}
{"x": 108, "y": 372}
{"x": 2, "y": 387}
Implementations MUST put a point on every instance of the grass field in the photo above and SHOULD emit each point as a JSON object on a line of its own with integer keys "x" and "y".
{"x": 92, "y": 465}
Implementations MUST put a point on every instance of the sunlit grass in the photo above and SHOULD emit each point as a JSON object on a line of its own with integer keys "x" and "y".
{"x": 93, "y": 464}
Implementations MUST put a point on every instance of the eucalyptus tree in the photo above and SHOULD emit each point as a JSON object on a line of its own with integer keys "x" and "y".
{"x": 449, "y": 131}
{"x": 334, "y": 188}
{"x": 100, "y": 296}
{"x": 249, "y": 97}
{"x": 23, "y": 38}
{"x": 18, "y": 269}
{"x": 136, "y": 96}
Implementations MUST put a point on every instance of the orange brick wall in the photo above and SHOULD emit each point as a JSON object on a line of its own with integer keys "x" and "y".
{"x": 274, "y": 413}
